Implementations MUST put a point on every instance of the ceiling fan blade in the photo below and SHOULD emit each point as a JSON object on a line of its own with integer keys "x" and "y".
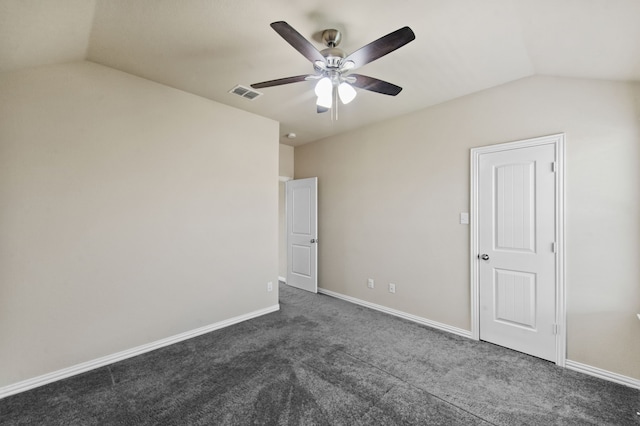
{"x": 298, "y": 42}
{"x": 280, "y": 81}
{"x": 380, "y": 47}
{"x": 375, "y": 85}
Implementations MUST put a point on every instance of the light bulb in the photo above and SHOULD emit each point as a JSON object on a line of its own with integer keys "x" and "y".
{"x": 346, "y": 92}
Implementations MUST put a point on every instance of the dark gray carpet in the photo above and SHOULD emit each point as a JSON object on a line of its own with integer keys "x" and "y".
{"x": 322, "y": 361}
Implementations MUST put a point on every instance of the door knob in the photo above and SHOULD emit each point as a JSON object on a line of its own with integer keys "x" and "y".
{"x": 484, "y": 257}
{"x": 313, "y": 240}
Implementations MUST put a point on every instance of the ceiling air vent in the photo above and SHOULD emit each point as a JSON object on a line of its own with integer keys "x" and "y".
{"x": 245, "y": 92}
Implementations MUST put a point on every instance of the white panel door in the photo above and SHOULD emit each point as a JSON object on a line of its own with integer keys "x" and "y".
{"x": 302, "y": 234}
{"x": 517, "y": 263}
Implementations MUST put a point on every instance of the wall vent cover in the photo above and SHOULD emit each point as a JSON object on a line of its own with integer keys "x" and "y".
{"x": 245, "y": 92}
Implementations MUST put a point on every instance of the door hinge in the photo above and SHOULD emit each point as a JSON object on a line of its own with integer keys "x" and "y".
{"x": 556, "y": 329}
{"x": 553, "y": 247}
{"x": 553, "y": 166}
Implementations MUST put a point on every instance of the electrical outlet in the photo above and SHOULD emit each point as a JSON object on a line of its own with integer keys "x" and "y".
{"x": 370, "y": 283}
{"x": 392, "y": 288}
{"x": 270, "y": 286}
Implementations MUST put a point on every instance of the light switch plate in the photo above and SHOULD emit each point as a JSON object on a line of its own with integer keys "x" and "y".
{"x": 464, "y": 218}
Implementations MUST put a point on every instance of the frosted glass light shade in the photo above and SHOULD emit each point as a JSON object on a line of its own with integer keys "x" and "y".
{"x": 325, "y": 101}
{"x": 324, "y": 87}
{"x": 324, "y": 91}
{"x": 346, "y": 92}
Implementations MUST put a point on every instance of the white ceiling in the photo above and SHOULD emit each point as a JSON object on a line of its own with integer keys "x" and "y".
{"x": 208, "y": 46}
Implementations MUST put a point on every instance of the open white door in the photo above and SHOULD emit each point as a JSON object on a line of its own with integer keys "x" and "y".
{"x": 302, "y": 234}
{"x": 516, "y": 256}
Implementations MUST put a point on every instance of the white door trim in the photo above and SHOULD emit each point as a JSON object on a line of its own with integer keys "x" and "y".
{"x": 557, "y": 141}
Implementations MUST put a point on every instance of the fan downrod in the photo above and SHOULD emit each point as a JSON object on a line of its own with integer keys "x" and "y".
{"x": 331, "y": 37}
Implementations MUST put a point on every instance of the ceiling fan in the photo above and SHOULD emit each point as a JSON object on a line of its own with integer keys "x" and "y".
{"x": 333, "y": 66}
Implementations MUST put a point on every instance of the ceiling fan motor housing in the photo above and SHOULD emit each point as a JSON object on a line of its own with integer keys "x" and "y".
{"x": 333, "y": 56}
{"x": 331, "y": 38}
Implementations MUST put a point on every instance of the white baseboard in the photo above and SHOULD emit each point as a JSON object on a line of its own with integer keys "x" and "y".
{"x": 129, "y": 353}
{"x": 572, "y": 365}
{"x": 283, "y": 279}
{"x": 410, "y": 317}
{"x": 602, "y": 374}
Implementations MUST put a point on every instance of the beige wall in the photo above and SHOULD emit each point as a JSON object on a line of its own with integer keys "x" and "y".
{"x": 286, "y": 161}
{"x": 286, "y": 171}
{"x": 390, "y": 196}
{"x": 129, "y": 212}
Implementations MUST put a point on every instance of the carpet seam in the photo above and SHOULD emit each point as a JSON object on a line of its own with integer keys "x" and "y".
{"x": 415, "y": 387}
{"x": 375, "y": 404}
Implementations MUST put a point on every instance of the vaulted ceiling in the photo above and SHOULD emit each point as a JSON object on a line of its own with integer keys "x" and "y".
{"x": 206, "y": 47}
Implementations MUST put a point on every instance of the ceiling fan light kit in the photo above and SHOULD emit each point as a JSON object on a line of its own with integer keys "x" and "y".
{"x": 332, "y": 65}
{"x": 346, "y": 92}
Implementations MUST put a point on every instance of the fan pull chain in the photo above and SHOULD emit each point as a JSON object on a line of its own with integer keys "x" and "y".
{"x": 334, "y": 109}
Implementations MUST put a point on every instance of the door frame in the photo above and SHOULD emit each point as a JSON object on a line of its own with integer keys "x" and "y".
{"x": 558, "y": 141}
{"x": 282, "y": 180}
